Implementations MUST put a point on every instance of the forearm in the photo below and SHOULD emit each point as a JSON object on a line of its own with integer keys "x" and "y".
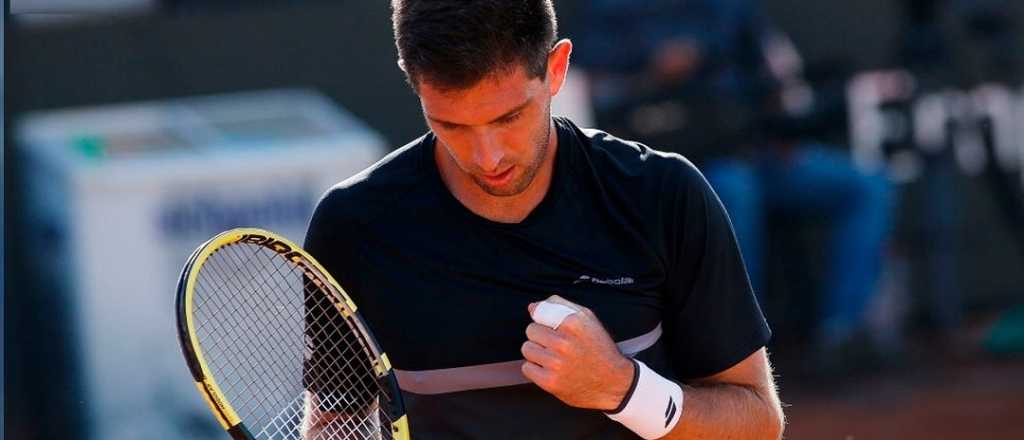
{"x": 739, "y": 402}
{"x": 727, "y": 411}
{"x": 320, "y": 425}
{"x": 314, "y": 422}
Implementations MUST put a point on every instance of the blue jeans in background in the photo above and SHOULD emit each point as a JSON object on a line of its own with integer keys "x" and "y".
{"x": 820, "y": 184}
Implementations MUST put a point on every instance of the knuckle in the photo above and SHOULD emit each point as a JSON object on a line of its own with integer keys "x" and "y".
{"x": 529, "y": 372}
{"x": 547, "y": 382}
{"x": 534, "y": 373}
{"x": 533, "y": 331}
{"x": 561, "y": 345}
{"x": 572, "y": 323}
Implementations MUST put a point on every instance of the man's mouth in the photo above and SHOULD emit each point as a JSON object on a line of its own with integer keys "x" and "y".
{"x": 497, "y": 179}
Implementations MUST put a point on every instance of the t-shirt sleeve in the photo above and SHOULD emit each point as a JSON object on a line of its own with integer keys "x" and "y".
{"x": 331, "y": 238}
{"x": 330, "y": 363}
{"x": 712, "y": 318}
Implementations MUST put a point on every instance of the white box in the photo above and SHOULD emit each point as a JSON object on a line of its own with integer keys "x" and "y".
{"x": 124, "y": 193}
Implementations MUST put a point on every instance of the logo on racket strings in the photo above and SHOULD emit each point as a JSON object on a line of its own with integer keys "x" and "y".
{"x": 285, "y": 251}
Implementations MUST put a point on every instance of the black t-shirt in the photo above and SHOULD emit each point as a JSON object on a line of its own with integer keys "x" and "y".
{"x": 632, "y": 233}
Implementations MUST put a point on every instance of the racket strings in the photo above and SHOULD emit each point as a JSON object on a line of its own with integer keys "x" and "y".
{"x": 276, "y": 421}
{"x": 243, "y": 354}
{"x": 269, "y": 334}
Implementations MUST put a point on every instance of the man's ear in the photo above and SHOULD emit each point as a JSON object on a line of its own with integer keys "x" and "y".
{"x": 558, "y": 64}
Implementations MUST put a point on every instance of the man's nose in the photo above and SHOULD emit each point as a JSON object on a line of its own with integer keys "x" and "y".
{"x": 488, "y": 153}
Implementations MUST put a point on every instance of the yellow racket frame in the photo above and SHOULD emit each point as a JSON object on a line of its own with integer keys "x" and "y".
{"x": 204, "y": 380}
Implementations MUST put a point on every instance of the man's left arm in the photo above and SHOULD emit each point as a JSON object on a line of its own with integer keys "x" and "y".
{"x": 740, "y": 402}
{"x": 579, "y": 363}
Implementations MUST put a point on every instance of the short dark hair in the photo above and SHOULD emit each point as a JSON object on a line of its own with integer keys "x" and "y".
{"x": 453, "y": 44}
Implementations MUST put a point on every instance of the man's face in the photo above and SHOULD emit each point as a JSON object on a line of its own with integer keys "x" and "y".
{"x": 496, "y": 132}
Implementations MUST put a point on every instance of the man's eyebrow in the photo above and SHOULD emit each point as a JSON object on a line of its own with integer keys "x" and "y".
{"x": 515, "y": 110}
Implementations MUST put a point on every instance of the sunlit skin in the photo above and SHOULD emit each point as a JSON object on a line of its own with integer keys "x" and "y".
{"x": 496, "y": 140}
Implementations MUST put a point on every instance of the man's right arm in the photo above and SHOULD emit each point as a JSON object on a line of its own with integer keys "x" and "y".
{"x": 318, "y": 424}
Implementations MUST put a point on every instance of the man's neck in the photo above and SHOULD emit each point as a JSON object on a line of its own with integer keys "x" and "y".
{"x": 507, "y": 209}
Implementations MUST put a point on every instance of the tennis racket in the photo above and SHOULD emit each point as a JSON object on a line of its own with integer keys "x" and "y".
{"x": 277, "y": 348}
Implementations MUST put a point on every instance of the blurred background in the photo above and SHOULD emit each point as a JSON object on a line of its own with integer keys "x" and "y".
{"x": 870, "y": 153}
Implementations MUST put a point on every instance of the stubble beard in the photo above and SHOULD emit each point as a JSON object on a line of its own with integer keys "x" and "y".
{"x": 529, "y": 173}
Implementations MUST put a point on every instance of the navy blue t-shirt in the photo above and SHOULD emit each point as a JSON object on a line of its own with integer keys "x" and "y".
{"x": 632, "y": 233}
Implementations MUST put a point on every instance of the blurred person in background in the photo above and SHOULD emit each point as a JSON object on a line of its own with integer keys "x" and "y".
{"x": 961, "y": 42}
{"x": 733, "y": 86}
{"x": 971, "y": 43}
{"x": 993, "y": 49}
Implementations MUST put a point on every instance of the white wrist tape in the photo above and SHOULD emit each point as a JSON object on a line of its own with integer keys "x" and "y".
{"x": 551, "y": 314}
{"x": 653, "y": 405}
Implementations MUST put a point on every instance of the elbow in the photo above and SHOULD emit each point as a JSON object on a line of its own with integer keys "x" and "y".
{"x": 775, "y": 422}
{"x": 778, "y": 425}
{"x": 773, "y": 419}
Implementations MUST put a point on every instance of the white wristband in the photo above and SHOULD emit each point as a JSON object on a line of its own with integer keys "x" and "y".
{"x": 551, "y": 314}
{"x": 653, "y": 405}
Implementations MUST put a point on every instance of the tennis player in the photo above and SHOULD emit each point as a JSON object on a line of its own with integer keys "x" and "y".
{"x": 534, "y": 280}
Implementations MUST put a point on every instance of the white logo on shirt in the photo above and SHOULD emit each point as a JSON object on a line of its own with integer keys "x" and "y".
{"x": 623, "y": 281}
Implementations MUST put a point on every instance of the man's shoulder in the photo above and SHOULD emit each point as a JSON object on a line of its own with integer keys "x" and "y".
{"x": 634, "y": 162}
{"x": 378, "y": 185}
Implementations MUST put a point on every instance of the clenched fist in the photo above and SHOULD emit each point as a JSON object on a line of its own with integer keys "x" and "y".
{"x": 578, "y": 363}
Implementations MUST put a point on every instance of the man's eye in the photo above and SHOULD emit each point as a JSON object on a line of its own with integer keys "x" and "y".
{"x": 511, "y": 118}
